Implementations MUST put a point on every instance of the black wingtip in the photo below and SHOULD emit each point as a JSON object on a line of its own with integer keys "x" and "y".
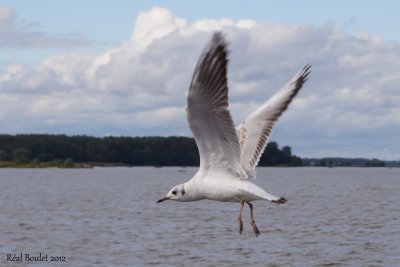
{"x": 219, "y": 37}
{"x": 218, "y": 41}
{"x": 307, "y": 68}
{"x": 305, "y": 72}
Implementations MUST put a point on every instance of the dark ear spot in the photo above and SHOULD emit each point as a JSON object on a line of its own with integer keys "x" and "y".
{"x": 183, "y": 192}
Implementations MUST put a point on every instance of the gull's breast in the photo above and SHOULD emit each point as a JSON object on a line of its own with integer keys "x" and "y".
{"x": 225, "y": 188}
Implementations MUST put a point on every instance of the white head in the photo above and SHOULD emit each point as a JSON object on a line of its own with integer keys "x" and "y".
{"x": 177, "y": 193}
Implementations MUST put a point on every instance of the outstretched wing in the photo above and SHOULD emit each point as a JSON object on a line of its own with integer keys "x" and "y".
{"x": 255, "y": 131}
{"x": 207, "y": 111}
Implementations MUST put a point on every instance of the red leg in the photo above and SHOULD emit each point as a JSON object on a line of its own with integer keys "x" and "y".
{"x": 253, "y": 223}
{"x": 239, "y": 218}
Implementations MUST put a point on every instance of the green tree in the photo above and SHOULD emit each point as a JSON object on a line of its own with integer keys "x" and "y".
{"x": 45, "y": 157}
{"x": 3, "y": 155}
{"x": 68, "y": 163}
{"x": 21, "y": 155}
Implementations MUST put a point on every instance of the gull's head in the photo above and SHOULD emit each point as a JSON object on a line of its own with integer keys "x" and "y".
{"x": 177, "y": 193}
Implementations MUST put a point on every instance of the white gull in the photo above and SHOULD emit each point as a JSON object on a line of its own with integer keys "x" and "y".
{"x": 228, "y": 156}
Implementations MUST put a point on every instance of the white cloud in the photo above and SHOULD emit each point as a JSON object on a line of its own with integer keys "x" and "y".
{"x": 17, "y": 33}
{"x": 162, "y": 23}
{"x": 7, "y": 15}
{"x": 159, "y": 117}
{"x": 350, "y": 102}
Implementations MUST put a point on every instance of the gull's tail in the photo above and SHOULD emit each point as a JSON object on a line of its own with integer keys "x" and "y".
{"x": 281, "y": 200}
{"x": 260, "y": 193}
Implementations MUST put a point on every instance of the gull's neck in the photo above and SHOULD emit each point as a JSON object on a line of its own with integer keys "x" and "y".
{"x": 192, "y": 192}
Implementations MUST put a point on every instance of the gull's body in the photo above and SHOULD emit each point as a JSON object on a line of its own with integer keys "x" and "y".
{"x": 223, "y": 186}
{"x": 228, "y": 156}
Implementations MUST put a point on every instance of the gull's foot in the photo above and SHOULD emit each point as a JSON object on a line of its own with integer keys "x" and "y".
{"x": 282, "y": 200}
{"x": 255, "y": 228}
{"x": 240, "y": 224}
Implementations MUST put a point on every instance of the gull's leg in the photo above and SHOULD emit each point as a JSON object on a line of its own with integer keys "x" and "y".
{"x": 253, "y": 223}
{"x": 239, "y": 218}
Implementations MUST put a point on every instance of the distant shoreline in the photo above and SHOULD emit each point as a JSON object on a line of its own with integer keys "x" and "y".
{"x": 62, "y": 151}
{"x": 44, "y": 165}
{"x": 89, "y": 165}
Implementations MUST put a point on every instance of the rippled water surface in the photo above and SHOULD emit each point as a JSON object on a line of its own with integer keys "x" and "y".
{"x": 109, "y": 217}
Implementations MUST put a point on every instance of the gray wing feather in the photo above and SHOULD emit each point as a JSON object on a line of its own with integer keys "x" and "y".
{"x": 207, "y": 110}
{"x": 256, "y": 129}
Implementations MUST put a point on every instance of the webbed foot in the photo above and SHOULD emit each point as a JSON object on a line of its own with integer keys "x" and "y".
{"x": 255, "y": 228}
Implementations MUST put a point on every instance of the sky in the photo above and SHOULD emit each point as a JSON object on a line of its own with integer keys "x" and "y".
{"x": 123, "y": 68}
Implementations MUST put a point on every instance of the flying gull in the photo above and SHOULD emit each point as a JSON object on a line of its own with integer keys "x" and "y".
{"x": 228, "y": 156}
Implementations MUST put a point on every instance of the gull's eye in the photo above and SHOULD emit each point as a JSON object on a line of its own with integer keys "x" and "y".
{"x": 174, "y": 192}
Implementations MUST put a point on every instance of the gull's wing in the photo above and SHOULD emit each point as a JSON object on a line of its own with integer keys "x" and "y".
{"x": 255, "y": 131}
{"x": 208, "y": 114}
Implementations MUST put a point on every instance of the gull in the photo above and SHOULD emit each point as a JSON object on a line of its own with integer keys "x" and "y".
{"x": 228, "y": 156}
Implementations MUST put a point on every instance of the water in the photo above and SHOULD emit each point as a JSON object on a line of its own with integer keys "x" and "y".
{"x": 109, "y": 217}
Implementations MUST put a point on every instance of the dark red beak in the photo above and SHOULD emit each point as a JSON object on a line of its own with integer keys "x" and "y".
{"x": 163, "y": 199}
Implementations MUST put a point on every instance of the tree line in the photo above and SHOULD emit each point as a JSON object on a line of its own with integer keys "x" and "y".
{"x": 132, "y": 151}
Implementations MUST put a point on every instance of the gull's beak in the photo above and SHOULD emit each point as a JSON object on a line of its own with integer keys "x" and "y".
{"x": 163, "y": 199}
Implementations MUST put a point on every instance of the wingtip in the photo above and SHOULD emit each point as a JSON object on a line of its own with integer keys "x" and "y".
{"x": 218, "y": 38}
{"x": 216, "y": 48}
{"x": 307, "y": 68}
{"x": 218, "y": 41}
{"x": 305, "y": 72}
